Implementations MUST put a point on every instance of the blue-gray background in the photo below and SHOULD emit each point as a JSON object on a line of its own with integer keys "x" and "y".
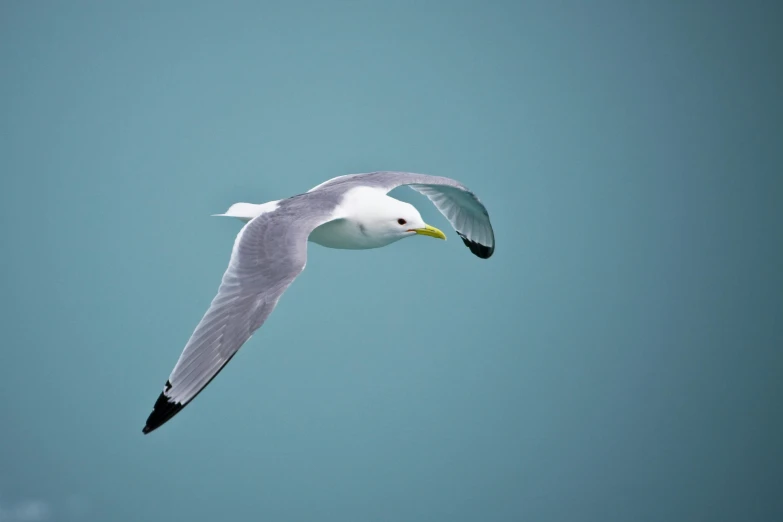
{"x": 617, "y": 359}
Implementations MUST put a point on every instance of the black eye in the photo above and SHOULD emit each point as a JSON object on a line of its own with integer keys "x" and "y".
{"x": 401, "y": 221}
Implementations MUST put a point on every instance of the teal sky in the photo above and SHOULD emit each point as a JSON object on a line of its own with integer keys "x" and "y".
{"x": 618, "y": 358}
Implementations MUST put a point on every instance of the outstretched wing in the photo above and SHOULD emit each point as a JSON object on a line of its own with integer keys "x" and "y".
{"x": 268, "y": 254}
{"x": 455, "y": 201}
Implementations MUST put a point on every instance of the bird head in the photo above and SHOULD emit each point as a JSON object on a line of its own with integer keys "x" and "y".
{"x": 393, "y": 220}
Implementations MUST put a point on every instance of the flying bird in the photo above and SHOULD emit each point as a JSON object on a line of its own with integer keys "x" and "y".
{"x": 346, "y": 212}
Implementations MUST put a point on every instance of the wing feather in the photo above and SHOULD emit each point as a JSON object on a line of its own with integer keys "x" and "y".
{"x": 269, "y": 253}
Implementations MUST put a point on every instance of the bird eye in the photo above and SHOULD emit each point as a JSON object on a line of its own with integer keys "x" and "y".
{"x": 401, "y": 221}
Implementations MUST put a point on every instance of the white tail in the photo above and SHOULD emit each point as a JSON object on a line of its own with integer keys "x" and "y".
{"x": 247, "y": 211}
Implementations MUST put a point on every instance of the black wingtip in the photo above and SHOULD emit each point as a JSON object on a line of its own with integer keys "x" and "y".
{"x": 163, "y": 410}
{"x": 482, "y": 251}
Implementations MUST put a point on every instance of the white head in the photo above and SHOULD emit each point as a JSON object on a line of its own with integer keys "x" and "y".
{"x": 386, "y": 220}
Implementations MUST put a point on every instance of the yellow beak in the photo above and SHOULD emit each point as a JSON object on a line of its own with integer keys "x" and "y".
{"x": 429, "y": 231}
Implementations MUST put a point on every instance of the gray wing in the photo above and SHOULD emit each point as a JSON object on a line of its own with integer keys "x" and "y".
{"x": 268, "y": 254}
{"x": 455, "y": 201}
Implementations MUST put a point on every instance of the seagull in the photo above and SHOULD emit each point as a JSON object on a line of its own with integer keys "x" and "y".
{"x": 270, "y": 251}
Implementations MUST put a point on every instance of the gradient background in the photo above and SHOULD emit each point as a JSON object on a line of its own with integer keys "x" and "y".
{"x": 619, "y": 358}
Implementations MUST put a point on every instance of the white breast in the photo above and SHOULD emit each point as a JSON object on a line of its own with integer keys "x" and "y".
{"x": 346, "y": 231}
{"x": 346, "y": 234}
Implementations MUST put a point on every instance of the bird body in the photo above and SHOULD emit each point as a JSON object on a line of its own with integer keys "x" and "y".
{"x": 347, "y": 212}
